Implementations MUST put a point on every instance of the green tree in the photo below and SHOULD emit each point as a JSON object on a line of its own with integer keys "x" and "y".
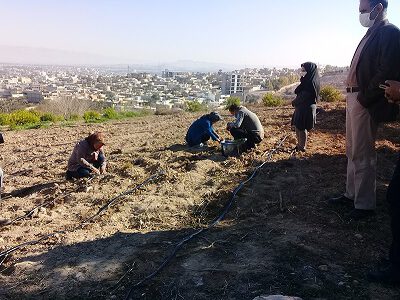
{"x": 232, "y": 100}
{"x": 272, "y": 100}
{"x": 194, "y": 106}
{"x": 331, "y": 94}
{"x": 155, "y": 98}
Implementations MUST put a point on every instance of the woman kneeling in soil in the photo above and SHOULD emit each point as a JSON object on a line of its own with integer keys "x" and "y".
{"x": 87, "y": 157}
{"x": 202, "y": 130}
{"x": 305, "y": 104}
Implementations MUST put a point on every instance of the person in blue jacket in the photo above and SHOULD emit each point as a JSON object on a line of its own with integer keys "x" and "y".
{"x": 202, "y": 130}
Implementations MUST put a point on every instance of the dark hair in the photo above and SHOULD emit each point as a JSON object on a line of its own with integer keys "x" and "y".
{"x": 214, "y": 117}
{"x": 374, "y": 3}
{"x": 95, "y": 137}
{"x": 233, "y": 107}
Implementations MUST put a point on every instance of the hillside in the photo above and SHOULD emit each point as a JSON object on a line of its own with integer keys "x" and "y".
{"x": 279, "y": 237}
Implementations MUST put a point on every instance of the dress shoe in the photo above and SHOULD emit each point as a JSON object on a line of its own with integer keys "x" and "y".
{"x": 298, "y": 148}
{"x": 340, "y": 200}
{"x": 361, "y": 214}
{"x": 389, "y": 275}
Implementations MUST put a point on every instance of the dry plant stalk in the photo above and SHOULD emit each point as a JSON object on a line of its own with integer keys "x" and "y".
{"x": 90, "y": 166}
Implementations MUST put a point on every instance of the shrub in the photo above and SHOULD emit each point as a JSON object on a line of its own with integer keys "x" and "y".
{"x": 110, "y": 113}
{"x": 49, "y": 117}
{"x": 331, "y": 94}
{"x": 74, "y": 117}
{"x": 194, "y": 106}
{"x": 4, "y": 119}
{"x": 272, "y": 100}
{"x": 130, "y": 114}
{"x": 91, "y": 116}
{"x": 232, "y": 100}
{"x": 24, "y": 117}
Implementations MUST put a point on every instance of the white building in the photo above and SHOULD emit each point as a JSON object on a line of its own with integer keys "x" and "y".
{"x": 232, "y": 84}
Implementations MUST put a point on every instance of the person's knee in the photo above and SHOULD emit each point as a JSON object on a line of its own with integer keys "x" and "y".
{"x": 83, "y": 172}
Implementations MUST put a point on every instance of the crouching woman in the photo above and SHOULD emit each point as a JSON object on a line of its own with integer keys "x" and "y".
{"x": 87, "y": 157}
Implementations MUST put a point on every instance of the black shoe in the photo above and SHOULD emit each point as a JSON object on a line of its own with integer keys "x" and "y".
{"x": 361, "y": 214}
{"x": 340, "y": 200}
{"x": 389, "y": 275}
{"x": 297, "y": 149}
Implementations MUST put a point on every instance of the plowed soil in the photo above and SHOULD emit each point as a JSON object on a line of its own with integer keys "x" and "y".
{"x": 279, "y": 237}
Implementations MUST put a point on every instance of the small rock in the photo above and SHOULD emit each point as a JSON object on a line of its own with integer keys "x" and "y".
{"x": 113, "y": 297}
{"x": 35, "y": 213}
{"x": 355, "y": 282}
{"x": 88, "y": 189}
{"x": 4, "y": 222}
{"x": 198, "y": 281}
{"x": 359, "y": 236}
{"x": 69, "y": 198}
{"x": 79, "y": 276}
{"x": 323, "y": 268}
{"x": 341, "y": 283}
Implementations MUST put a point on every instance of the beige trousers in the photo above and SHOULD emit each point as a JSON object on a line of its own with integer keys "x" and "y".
{"x": 361, "y": 155}
{"x": 302, "y": 136}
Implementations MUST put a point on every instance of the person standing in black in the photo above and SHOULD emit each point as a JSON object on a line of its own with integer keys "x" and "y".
{"x": 305, "y": 104}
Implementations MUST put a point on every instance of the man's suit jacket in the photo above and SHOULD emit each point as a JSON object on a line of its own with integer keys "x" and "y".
{"x": 379, "y": 61}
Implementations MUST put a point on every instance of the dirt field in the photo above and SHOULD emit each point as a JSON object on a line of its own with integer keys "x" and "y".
{"x": 280, "y": 236}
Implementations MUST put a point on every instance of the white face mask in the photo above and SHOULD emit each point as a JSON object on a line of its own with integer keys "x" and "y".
{"x": 365, "y": 19}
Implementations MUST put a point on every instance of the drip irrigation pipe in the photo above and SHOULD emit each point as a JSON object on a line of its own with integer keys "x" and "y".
{"x": 43, "y": 204}
{"x": 82, "y": 224}
{"x": 226, "y": 209}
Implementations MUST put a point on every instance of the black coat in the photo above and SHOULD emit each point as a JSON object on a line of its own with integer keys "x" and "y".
{"x": 379, "y": 61}
{"x": 307, "y": 94}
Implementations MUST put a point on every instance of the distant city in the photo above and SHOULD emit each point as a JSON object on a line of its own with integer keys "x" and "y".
{"x": 126, "y": 89}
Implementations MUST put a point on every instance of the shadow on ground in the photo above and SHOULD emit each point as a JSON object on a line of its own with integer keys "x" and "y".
{"x": 280, "y": 237}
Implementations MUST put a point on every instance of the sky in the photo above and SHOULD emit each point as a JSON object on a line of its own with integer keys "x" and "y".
{"x": 252, "y": 33}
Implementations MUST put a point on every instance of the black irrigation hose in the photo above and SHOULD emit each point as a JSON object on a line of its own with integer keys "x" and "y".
{"x": 212, "y": 224}
{"x": 43, "y": 204}
{"x": 5, "y": 253}
{"x": 116, "y": 198}
{"x": 28, "y": 213}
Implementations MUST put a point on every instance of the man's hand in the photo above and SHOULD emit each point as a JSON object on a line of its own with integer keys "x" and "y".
{"x": 392, "y": 92}
{"x": 96, "y": 171}
{"x": 228, "y": 126}
{"x": 103, "y": 169}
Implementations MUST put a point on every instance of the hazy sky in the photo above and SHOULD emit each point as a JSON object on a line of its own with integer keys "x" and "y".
{"x": 247, "y": 32}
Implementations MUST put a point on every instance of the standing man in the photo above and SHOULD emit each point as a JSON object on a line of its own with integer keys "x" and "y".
{"x": 391, "y": 272}
{"x": 376, "y": 59}
{"x": 247, "y": 125}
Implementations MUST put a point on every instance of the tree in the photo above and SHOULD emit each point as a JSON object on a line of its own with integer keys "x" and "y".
{"x": 330, "y": 94}
{"x": 194, "y": 106}
{"x": 154, "y": 98}
{"x": 232, "y": 100}
{"x": 272, "y": 100}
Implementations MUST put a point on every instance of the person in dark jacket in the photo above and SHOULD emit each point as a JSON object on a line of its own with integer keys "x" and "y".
{"x": 246, "y": 125}
{"x": 305, "y": 104}
{"x": 391, "y": 272}
{"x": 375, "y": 60}
{"x": 87, "y": 157}
{"x": 202, "y": 130}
